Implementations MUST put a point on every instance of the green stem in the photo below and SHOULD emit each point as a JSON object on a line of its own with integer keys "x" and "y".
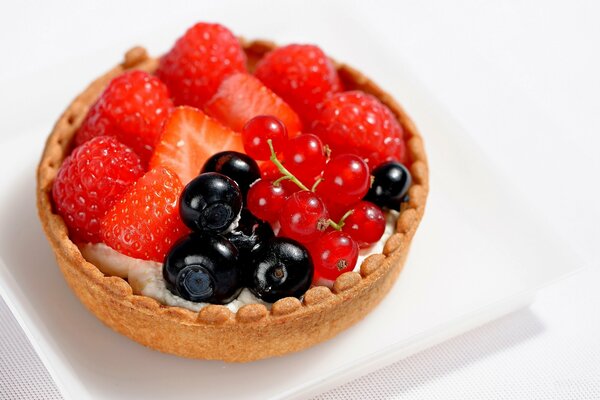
{"x": 339, "y": 225}
{"x": 314, "y": 186}
{"x": 286, "y": 174}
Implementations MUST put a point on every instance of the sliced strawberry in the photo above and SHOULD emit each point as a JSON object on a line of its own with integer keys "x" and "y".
{"x": 242, "y": 97}
{"x": 188, "y": 139}
{"x": 145, "y": 222}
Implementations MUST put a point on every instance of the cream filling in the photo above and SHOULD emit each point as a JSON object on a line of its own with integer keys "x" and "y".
{"x": 145, "y": 277}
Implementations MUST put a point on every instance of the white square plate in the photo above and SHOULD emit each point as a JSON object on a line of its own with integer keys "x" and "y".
{"x": 479, "y": 253}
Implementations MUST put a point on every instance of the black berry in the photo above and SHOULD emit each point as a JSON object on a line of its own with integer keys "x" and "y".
{"x": 281, "y": 268}
{"x": 390, "y": 185}
{"x": 211, "y": 202}
{"x": 237, "y": 166}
{"x": 203, "y": 268}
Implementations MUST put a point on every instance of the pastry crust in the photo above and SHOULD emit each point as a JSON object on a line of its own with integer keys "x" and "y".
{"x": 215, "y": 332}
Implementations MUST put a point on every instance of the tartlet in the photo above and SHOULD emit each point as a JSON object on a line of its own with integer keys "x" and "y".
{"x": 254, "y": 332}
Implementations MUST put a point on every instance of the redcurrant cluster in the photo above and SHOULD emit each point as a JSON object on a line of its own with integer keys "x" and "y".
{"x": 314, "y": 198}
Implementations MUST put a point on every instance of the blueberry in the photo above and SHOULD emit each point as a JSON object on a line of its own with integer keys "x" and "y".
{"x": 390, "y": 185}
{"x": 237, "y": 166}
{"x": 282, "y": 267}
{"x": 203, "y": 268}
{"x": 211, "y": 202}
{"x": 250, "y": 234}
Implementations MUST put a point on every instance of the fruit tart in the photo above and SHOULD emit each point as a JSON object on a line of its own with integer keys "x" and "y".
{"x": 232, "y": 199}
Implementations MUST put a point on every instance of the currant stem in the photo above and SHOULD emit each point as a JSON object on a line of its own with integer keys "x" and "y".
{"x": 286, "y": 174}
{"x": 339, "y": 225}
{"x": 314, "y": 186}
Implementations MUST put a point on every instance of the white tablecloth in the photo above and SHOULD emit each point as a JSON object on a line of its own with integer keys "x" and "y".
{"x": 522, "y": 77}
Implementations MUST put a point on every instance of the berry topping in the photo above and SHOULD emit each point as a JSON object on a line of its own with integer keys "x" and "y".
{"x": 305, "y": 157}
{"x": 346, "y": 180}
{"x": 189, "y": 138}
{"x": 301, "y": 74}
{"x": 266, "y": 200}
{"x": 303, "y": 217}
{"x": 366, "y": 224}
{"x": 194, "y": 68}
{"x": 203, "y": 268}
{"x": 390, "y": 185}
{"x": 90, "y": 181}
{"x": 211, "y": 202}
{"x": 145, "y": 222}
{"x": 242, "y": 97}
{"x": 133, "y": 108}
{"x": 237, "y": 166}
{"x": 281, "y": 268}
{"x": 258, "y": 131}
{"x": 250, "y": 234}
{"x": 357, "y": 123}
{"x": 333, "y": 254}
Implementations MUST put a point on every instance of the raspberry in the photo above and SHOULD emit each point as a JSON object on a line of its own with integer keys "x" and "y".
{"x": 357, "y": 123}
{"x": 301, "y": 75}
{"x": 194, "y": 68}
{"x": 90, "y": 181}
{"x": 133, "y": 108}
{"x": 145, "y": 222}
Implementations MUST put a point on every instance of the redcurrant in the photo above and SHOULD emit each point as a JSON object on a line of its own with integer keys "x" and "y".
{"x": 366, "y": 224}
{"x": 305, "y": 157}
{"x": 265, "y": 200}
{"x": 303, "y": 217}
{"x": 333, "y": 254}
{"x": 346, "y": 180}
{"x": 258, "y": 131}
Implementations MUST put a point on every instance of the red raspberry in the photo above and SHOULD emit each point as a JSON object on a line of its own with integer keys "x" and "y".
{"x": 357, "y": 123}
{"x": 194, "y": 68}
{"x": 301, "y": 75}
{"x": 145, "y": 222}
{"x": 133, "y": 108}
{"x": 90, "y": 181}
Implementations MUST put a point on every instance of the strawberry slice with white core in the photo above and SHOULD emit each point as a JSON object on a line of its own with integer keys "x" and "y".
{"x": 188, "y": 139}
{"x": 242, "y": 97}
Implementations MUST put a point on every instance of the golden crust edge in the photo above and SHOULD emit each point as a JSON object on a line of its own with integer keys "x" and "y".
{"x": 84, "y": 277}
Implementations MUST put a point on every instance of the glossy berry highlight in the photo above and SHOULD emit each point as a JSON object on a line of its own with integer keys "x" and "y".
{"x": 391, "y": 182}
{"x": 211, "y": 202}
{"x": 366, "y": 224}
{"x": 333, "y": 254}
{"x": 346, "y": 180}
{"x": 265, "y": 200}
{"x": 303, "y": 217}
{"x": 258, "y": 131}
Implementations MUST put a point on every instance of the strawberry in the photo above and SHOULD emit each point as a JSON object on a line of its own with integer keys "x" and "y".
{"x": 133, "y": 108}
{"x": 188, "y": 139}
{"x": 356, "y": 122}
{"x": 302, "y": 75}
{"x": 242, "y": 97}
{"x": 199, "y": 61}
{"x": 145, "y": 222}
{"x": 90, "y": 180}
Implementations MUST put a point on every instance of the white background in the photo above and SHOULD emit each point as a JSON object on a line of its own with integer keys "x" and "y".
{"x": 523, "y": 78}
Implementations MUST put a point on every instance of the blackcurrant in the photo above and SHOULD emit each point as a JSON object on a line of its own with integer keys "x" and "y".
{"x": 203, "y": 268}
{"x": 282, "y": 267}
{"x": 237, "y": 166}
{"x": 211, "y": 202}
{"x": 390, "y": 184}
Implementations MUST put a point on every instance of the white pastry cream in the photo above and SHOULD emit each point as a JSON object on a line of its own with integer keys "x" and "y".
{"x": 145, "y": 277}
